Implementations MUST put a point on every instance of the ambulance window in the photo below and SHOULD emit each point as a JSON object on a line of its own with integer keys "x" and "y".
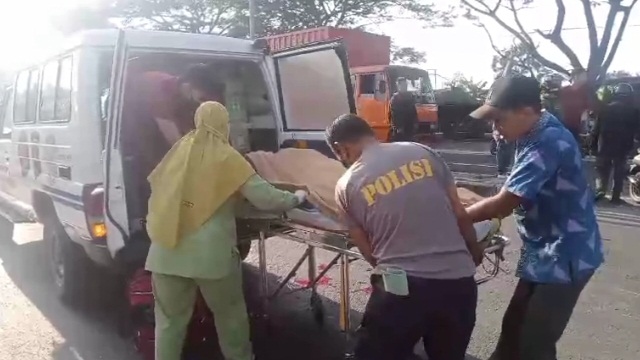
{"x": 20, "y": 103}
{"x": 63, "y": 92}
{"x": 7, "y": 113}
{"x": 32, "y": 96}
{"x": 55, "y": 103}
{"x": 49, "y": 84}
{"x": 368, "y": 84}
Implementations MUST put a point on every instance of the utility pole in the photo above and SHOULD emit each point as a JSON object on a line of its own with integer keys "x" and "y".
{"x": 252, "y": 19}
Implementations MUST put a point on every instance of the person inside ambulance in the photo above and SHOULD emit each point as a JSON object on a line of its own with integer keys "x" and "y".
{"x": 158, "y": 110}
{"x": 192, "y": 227}
{"x": 162, "y": 106}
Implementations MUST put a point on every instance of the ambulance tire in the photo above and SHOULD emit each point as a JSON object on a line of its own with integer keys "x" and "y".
{"x": 71, "y": 269}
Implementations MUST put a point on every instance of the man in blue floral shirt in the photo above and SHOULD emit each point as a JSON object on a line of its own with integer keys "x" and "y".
{"x": 549, "y": 196}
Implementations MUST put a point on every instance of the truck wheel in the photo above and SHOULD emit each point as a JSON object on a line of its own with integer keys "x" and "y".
{"x": 70, "y": 267}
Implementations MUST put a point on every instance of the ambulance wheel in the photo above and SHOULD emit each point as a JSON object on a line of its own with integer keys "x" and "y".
{"x": 244, "y": 248}
{"x": 71, "y": 269}
{"x": 317, "y": 309}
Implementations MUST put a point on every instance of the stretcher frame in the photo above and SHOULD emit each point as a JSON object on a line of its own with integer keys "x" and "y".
{"x": 339, "y": 244}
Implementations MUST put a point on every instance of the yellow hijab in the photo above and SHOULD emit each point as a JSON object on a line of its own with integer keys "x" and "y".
{"x": 198, "y": 174}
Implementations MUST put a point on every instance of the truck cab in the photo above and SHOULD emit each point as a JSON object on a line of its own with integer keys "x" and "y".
{"x": 375, "y": 85}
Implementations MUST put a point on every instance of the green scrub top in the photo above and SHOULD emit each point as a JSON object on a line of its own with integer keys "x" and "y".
{"x": 211, "y": 252}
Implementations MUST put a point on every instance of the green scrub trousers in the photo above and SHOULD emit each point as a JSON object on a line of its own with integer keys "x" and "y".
{"x": 175, "y": 299}
{"x": 208, "y": 260}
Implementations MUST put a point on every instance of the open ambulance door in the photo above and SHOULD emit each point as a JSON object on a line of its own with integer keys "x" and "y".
{"x": 116, "y": 217}
{"x": 314, "y": 88}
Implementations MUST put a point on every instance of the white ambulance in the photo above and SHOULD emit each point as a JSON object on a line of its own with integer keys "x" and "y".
{"x": 61, "y": 159}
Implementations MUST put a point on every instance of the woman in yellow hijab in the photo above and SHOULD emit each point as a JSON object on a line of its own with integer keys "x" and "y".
{"x": 191, "y": 223}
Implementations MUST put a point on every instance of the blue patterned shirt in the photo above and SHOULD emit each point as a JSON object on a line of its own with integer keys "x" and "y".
{"x": 556, "y": 220}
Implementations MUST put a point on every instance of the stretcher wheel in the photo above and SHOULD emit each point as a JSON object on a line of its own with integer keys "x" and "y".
{"x": 262, "y": 323}
{"x": 317, "y": 308}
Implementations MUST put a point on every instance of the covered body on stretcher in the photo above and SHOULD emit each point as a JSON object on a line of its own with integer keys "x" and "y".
{"x": 317, "y": 225}
{"x": 315, "y": 230}
{"x": 310, "y": 226}
{"x": 332, "y": 232}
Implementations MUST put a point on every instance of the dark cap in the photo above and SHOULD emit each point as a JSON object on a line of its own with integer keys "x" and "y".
{"x": 510, "y": 93}
{"x": 201, "y": 76}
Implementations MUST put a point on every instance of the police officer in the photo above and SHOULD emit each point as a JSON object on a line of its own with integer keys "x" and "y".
{"x": 612, "y": 140}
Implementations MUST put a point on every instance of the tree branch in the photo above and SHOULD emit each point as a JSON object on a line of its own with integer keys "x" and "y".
{"x": 555, "y": 36}
{"x": 516, "y": 18}
{"x": 531, "y": 47}
{"x": 487, "y": 12}
{"x": 592, "y": 29}
{"x": 616, "y": 41}
{"x": 493, "y": 44}
{"x": 599, "y": 55}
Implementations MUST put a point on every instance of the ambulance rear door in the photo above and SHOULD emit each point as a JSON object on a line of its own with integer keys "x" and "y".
{"x": 314, "y": 88}
{"x": 116, "y": 217}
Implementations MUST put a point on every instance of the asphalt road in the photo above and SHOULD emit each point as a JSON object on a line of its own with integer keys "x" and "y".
{"x": 35, "y": 326}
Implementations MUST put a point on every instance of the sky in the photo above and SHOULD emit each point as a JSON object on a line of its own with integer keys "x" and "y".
{"x": 26, "y": 35}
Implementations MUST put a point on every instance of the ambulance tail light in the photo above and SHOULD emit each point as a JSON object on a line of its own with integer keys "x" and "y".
{"x": 93, "y": 200}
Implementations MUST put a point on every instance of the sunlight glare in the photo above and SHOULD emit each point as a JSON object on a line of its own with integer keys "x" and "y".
{"x": 26, "y": 29}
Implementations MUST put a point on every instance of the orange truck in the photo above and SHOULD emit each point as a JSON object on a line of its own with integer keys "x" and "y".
{"x": 372, "y": 76}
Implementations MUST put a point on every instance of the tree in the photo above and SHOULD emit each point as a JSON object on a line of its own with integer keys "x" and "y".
{"x": 521, "y": 62}
{"x": 602, "y": 46}
{"x": 407, "y": 55}
{"x": 617, "y": 74}
{"x": 231, "y": 17}
{"x": 476, "y": 90}
{"x": 193, "y": 16}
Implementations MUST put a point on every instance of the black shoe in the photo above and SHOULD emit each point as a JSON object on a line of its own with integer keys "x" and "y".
{"x": 617, "y": 201}
{"x": 599, "y": 195}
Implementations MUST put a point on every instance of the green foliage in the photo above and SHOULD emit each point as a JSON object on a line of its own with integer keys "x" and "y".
{"x": 477, "y": 90}
{"x": 462, "y": 90}
{"x": 194, "y": 16}
{"x": 617, "y": 74}
{"x": 522, "y": 62}
{"x": 407, "y": 55}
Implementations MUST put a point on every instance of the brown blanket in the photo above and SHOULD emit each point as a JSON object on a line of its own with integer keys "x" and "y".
{"x": 316, "y": 172}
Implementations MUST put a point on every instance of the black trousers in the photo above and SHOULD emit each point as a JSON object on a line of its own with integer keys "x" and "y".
{"x": 605, "y": 165}
{"x": 441, "y": 312}
{"x": 535, "y": 320}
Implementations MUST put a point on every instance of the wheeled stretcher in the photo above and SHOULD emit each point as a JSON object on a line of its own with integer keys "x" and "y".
{"x": 305, "y": 226}
{"x": 316, "y": 231}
